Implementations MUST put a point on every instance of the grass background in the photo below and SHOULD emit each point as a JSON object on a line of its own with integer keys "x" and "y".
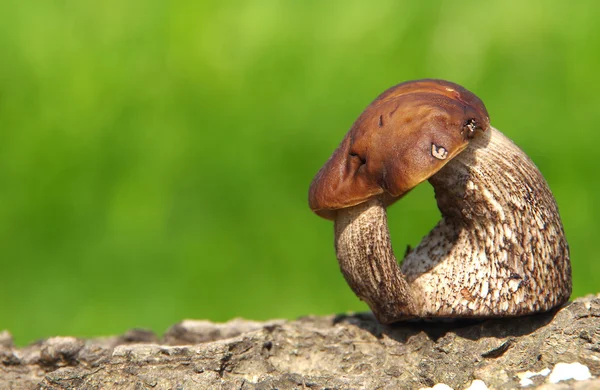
{"x": 155, "y": 156}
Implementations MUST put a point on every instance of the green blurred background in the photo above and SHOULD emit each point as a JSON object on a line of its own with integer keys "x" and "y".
{"x": 155, "y": 156}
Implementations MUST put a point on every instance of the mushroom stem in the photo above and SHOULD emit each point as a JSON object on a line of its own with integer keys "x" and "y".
{"x": 367, "y": 261}
{"x": 500, "y": 248}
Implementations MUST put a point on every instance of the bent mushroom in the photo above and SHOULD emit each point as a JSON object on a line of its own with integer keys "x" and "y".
{"x": 499, "y": 249}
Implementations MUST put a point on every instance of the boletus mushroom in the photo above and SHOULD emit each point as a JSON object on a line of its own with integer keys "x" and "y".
{"x": 499, "y": 249}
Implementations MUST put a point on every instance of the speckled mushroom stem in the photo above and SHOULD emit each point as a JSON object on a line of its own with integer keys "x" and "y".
{"x": 500, "y": 248}
{"x": 367, "y": 261}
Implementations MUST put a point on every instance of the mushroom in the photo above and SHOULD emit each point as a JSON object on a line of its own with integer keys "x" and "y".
{"x": 499, "y": 249}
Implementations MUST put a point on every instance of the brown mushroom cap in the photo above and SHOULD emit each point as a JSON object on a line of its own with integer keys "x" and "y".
{"x": 401, "y": 139}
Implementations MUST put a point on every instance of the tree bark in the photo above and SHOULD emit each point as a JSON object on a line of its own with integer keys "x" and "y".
{"x": 332, "y": 352}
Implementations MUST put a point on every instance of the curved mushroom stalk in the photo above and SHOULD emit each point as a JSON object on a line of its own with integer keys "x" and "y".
{"x": 366, "y": 258}
{"x": 500, "y": 248}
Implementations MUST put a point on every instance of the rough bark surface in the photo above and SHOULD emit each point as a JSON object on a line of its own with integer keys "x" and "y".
{"x": 334, "y": 352}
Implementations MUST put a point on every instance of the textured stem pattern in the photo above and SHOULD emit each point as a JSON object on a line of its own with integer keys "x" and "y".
{"x": 500, "y": 248}
{"x": 364, "y": 252}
